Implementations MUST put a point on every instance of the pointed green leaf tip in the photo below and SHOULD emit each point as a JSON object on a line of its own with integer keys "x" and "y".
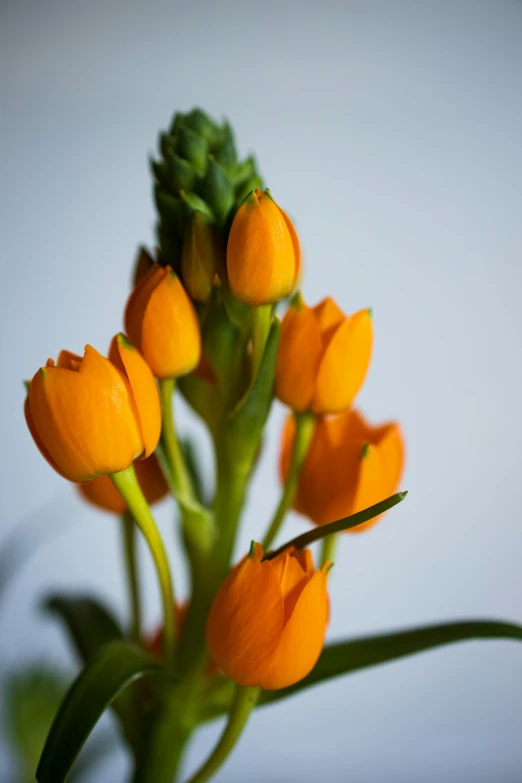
{"x": 369, "y": 310}
{"x": 364, "y": 451}
{"x": 252, "y": 550}
{"x": 27, "y": 385}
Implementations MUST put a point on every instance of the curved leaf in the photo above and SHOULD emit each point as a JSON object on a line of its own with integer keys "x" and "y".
{"x": 88, "y": 622}
{"x": 112, "y": 669}
{"x": 345, "y": 657}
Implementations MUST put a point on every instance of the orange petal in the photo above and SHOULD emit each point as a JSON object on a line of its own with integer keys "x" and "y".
{"x": 260, "y": 252}
{"x": 70, "y": 361}
{"x": 137, "y": 302}
{"x": 85, "y": 419}
{"x": 291, "y": 577}
{"x": 392, "y": 455}
{"x": 170, "y": 336}
{"x": 296, "y": 245}
{"x": 246, "y": 620}
{"x": 298, "y": 358}
{"x": 344, "y": 365}
{"x": 37, "y": 439}
{"x": 144, "y": 390}
{"x": 303, "y": 636}
{"x": 151, "y": 479}
{"x": 328, "y": 314}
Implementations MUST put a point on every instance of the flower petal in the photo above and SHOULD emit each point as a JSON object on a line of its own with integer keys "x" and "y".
{"x": 298, "y": 358}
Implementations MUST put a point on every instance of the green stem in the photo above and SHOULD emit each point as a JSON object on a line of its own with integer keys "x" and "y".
{"x": 128, "y": 527}
{"x": 230, "y": 496}
{"x": 127, "y": 484}
{"x": 304, "y": 428}
{"x": 328, "y": 548}
{"x": 244, "y": 702}
{"x": 175, "y": 456}
{"x": 261, "y": 317}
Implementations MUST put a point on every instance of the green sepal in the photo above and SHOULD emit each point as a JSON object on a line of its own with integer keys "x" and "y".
{"x": 193, "y": 148}
{"x": 162, "y": 172}
{"x": 245, "y": 424}
{"x": 89, "y": 624}
{"x": 183, "y": 174}
{"x": 199, "y": 122}
{"x": 204, "y": 400}
{"x": 170, "y": 248}
{"x": 217, "y": 190}
{"x": 226, "y": 154}
{"x": 192, "y": 202}
{"x": 111, "y": 671}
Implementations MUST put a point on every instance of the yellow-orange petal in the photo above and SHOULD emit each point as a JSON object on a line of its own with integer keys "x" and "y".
{"x": 296, "y": 246}
{"x": 137, "y": 302}
{"x": 32, "y": 429}
{"x": 143, "y": 387}
{"x": 303, "y": 636}
{"x": 261, "y": 260}
{"x": 71, "y": 361}
{"x": 344, "y": 365}
{"x": 298, "y": 358}
{"x": 291, "y": 577}
{"x": 86, "y": 419}
{"x": 392, "y": 455}
{"x": 170, "y": 337}
{"x": 246, "y": 620}
{"x": 328, "y": 314}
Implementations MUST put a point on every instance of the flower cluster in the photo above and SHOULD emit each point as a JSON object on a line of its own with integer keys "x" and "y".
{"x": 202, "y": 320}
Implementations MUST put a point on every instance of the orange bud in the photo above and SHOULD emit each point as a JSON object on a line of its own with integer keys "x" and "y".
{"x": 323, "y": 356}
{"x": 263, "y": 255}
{"x": 350, "y": 465}
{"x": 161, "y": 321}
{"x": 268, "y": 621}
{"x": 102, "y": 493}
{"x": 91, "y": 415}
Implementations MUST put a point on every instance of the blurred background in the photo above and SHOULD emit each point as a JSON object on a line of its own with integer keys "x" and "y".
{"x": 391, "y": 132}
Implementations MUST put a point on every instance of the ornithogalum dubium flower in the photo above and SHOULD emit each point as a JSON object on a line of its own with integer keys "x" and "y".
{"x": 90, "y": 415}
{"x": 161, "y": 321}
{"x": 263, "y": 254}
{"x": 350, "y": 465}
{"x": 323, "y": 356}
{"x": 268, "y": 621}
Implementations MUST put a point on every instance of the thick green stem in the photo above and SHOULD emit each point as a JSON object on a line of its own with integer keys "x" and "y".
{"x": 261, "y": 317}
{"x": 180, "y": 474}
{"x": 244, "y": 702}
{"x": 304, "y": 428}
{"x": 328, "y": 548}
{"x": 127, "y": 484}
{"x": 128, "y": 526}
{"x": 230, "y": 496}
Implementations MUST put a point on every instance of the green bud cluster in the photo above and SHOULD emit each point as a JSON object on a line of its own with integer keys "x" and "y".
{"x": 198, "y": 170}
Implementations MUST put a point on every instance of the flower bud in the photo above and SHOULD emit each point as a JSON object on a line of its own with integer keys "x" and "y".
{"x": 350, "y": 466}
{"x": 268, "y": 621}
{"x": 323, "y": 356}
{"x": 91, "y": 415}
{"x": 263, "y": 255}
{"x": 203, "y": 256}
{"x": 102, "y": 493}
{"x": 161, "y": 321}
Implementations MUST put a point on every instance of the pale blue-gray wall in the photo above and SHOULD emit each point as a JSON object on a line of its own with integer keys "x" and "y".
{"x": 392, "y": 133}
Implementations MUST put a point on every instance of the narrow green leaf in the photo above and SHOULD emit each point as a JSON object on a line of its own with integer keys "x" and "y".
{"x": 89, "y": 624}
{"x": 346, "y": 523}
{"x": 112, "y": 669}
{"x": 345, "y": 657}
{"x": 246, "y": 422}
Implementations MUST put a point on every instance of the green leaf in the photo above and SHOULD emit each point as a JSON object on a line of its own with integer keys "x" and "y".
{"x": 89, "y": 624}
{"x": 345, "y": 657}
{"x": 195, "y": 469}
{"x": 246, "y": 422}
{"x": 346, "y": 523}
{"x": 113, "y": 668}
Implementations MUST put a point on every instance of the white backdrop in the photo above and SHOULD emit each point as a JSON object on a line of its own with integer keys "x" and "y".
{"x": 391, "y": 133}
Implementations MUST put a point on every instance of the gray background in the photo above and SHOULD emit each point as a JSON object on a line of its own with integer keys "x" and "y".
{"x": 392, "y": 134}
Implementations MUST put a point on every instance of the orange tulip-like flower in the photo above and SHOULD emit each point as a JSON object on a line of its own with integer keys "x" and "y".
{"x": 350, "y": 466}
{"x": 263, "y": 255}
{"x": 323, "y": 356}
{"x": 161, "y": 321}
{"x": 268, "y": 621}
{"x": 102, "y": 493}
{"x": 91, "y": 415}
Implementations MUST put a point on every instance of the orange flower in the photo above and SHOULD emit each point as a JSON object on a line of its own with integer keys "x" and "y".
{"x": 102, "y": 493}
{"x": 161, "y": 321}
{"x": 350, "y": 465}
{"x": 268, "y": 621}
{"x": 323, "y": 356}
{"x": 263, "y": 255}
{"x": 91, "y": 415}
